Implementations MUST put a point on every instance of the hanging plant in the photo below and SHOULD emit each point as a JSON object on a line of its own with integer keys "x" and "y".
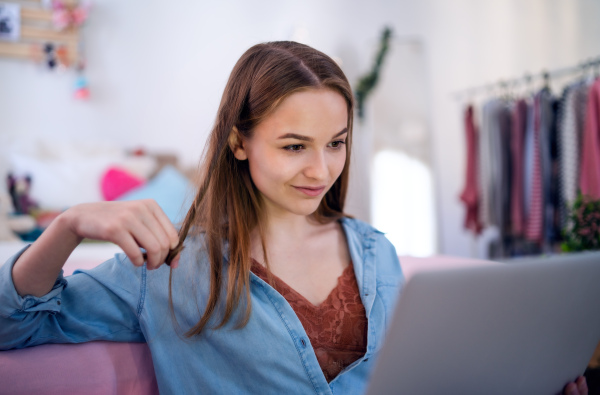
{"x": 583, "y": 232}
{"x": 367, "y": 83}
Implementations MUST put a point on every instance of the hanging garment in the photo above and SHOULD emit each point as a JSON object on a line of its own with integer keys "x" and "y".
{"x": 505, "y": 166}
{"x": 534, "y": 228}
{"x": 490, "y": 164}
{"x": 528, "y": 159}
{"x": 548, "y": 177}
{"x": 484, "y": 163}
{"x": 470, "y": 193}
{"x": 554, "y": 234}
{"x": 517, "y": 145}
{"x": 570, "y": 143}
{"x": 567, "y": 152}
{"x": 589, "y": 180}
{"x": 581, "y": 102}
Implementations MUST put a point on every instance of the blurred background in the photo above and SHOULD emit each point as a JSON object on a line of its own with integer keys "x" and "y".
{"x": 153, "y": 72}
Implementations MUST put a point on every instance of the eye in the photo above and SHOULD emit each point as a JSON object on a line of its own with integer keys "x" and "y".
{"x": 337, "y": 144}
{"x": 294, "y": 147}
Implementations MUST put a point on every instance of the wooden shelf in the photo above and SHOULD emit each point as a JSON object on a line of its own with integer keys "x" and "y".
{"x": 36, "y": 14}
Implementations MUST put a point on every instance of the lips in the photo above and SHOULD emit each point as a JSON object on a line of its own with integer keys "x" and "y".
{"x": 311, "y": 191}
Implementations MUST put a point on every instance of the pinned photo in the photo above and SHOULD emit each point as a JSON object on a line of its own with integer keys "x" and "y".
{"x": 10, "y": 22}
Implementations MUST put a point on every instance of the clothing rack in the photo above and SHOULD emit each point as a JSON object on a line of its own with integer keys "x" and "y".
{"x": 527, "y": 78}
{"x": 529, "y": 153}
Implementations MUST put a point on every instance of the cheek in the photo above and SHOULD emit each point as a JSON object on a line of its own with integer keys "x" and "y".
{"x": 267, "y": 167}
{"x": 338, "y": 165}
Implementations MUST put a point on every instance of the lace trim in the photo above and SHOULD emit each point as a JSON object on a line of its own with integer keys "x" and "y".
{"x": 336, "y": 328}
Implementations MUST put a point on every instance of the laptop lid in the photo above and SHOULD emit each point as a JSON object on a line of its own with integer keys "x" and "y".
{"x": 526, "y": 327}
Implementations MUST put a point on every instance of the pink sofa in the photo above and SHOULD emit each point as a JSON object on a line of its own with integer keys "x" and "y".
{"x": 90, "y": 368}
{"x": 119, "y": 368}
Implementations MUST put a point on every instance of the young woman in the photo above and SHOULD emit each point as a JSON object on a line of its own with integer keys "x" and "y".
{"x": 271, "y": 289}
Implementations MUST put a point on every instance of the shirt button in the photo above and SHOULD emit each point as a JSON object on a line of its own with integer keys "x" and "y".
{"x": 303, "y": 343}
{"x": 58, "y": 302}
{"x": 365, "y": 360}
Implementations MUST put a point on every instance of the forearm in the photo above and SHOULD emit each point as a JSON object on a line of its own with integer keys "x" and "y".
{"x": 37, "y": 268}
{"x": 130, "y": 225}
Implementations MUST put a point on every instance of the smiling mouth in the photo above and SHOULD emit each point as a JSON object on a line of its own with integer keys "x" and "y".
{"x": 311, "y": 191}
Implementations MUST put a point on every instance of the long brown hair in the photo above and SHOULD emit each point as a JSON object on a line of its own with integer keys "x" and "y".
{"x": 228, "y": 206}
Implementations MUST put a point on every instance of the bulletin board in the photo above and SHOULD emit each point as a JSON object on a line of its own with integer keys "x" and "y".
{"x": 42, "y": 31}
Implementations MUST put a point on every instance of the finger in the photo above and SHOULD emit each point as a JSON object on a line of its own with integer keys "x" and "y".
{"x": 152, "y": 224}
{"x": 130, "y": 248}
{"x": 148, "y": 241}
{"x": 164, "y": 220}
{"x": 570, "y": 389}
{"x": 582, "y": 385}
{"x": 175, "y": 261}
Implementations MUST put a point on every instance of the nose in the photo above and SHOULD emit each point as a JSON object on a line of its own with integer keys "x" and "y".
{"x": 316, "y": 167}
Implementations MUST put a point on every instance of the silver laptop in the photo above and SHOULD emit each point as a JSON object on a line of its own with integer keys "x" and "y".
{"x": 524, "y": 327}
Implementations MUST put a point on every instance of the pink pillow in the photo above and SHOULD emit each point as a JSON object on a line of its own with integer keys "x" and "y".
{"x": 115, "y": 182}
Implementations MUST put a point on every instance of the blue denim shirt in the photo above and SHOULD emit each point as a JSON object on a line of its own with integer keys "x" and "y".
{"x": 272, "y": 354}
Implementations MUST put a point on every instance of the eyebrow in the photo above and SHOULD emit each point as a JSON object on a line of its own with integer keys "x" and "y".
{"x": 306, "y": 138}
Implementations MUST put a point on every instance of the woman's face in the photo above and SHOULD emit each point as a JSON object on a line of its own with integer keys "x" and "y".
{"x": 296, "y": 153}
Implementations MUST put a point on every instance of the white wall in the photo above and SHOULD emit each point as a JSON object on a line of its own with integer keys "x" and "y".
{"x": 157, "y": 69}
{"x": 476, "y": 42}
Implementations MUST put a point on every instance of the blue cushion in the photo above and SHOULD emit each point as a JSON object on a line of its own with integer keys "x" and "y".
{"x": 172, "y": 191}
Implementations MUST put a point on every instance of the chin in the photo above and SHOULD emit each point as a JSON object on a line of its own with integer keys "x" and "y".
{"x": 305, "y": 213}
{"x": 294, "y": 205}
{"x": 305, "y": 209}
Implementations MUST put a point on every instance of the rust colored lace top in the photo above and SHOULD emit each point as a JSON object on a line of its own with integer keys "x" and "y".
{"x": 337, "y": 328}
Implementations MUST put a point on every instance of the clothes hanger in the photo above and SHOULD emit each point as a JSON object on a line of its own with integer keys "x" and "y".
{"x": 528, "y": 85}
{"x": 546, "y": 78}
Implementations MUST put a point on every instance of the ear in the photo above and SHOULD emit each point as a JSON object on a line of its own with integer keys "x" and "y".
{"x": 236, "y": 144}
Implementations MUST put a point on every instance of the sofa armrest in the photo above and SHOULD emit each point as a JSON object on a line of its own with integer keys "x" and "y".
{"x": 88, "y": 368}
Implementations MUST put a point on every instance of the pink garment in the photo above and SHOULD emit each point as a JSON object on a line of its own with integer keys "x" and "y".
{"x": 535, "y": 224}
{"x": 517, "y": 216}
{"x": 470, "y": 193}
{"x": 589, "y": 176}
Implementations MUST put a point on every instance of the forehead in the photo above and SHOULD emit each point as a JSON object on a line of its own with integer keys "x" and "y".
{"x": 312, "y": 112}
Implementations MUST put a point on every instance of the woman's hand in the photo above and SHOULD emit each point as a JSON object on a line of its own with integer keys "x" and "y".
{"x": 131, "y": 225}
{"x": 577, "y": 387}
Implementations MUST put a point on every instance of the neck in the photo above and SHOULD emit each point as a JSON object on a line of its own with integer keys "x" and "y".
{"x": 289, "y": 227}
{"x": 286, "y": 231}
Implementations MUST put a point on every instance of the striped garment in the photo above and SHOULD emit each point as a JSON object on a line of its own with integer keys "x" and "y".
{"x": 589, "y": 180}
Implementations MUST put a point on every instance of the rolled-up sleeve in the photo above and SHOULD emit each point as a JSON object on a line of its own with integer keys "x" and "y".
{"x": 98, "y": 304}
{"x": 13, "y": 304}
